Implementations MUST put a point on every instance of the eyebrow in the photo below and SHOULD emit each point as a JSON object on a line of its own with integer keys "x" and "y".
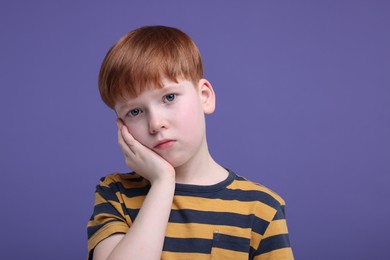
{"x": 170, "y": 87}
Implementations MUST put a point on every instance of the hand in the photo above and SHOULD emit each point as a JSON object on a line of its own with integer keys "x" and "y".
{"x": 141, "y": 159}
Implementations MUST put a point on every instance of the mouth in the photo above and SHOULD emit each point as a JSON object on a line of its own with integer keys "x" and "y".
{"x": 164, "y": 144}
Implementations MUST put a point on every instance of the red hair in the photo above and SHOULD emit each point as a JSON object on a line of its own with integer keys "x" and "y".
{"x": 143, "y": 57}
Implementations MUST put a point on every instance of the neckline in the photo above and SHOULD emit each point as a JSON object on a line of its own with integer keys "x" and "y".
{"x": 206, "y": 188}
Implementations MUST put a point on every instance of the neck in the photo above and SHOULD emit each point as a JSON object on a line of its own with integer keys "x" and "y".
{"x": 201, "y": 170}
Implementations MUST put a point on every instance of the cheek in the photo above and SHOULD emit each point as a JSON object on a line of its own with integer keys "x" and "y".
{"x": 137, "y": 131}
{"x": 191, "y": 118}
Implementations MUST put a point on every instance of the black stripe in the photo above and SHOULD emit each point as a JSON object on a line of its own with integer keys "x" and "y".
{"x": 133, "y": 177}
{"x": 272, "y": 243}
{"x": 92, "y": 230}
{"x": 106, "y": 208}
{"x": 107, "y": 193}
{"x": 218, "y": 218}
{"x": 240, "y": 195}
{"x": 188, "y": 245}
{"x": 132, "y": 213}
{"x": 240, "y": 178}
{"x": 280, "y": 214}
{"x": 250, "y": 195}
{"x": 252, "y": 252}
{"x": 129, "y": 192}
{"x": 114, "y": 187}
{"x": 130, "y": 176}
{"x": 204, "y": 246}
{"x": 233, "y": 243}
{"x": 259, "y": 225}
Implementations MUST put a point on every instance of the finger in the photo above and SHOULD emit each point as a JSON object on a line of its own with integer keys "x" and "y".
{"x": 126, "y": 147}
{"x": 127, "y": 137}
{"x": 123, "y": 146}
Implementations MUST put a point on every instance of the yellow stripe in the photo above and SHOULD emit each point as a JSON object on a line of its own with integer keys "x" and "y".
{"x": 260, "y": 209}
{"x": 280, "y": 254}
{"x": 224, "y": 254}
{"x": 184, "y": 256}
{"x": 217, "y": 205}
{"x": 276, "y": 227}
{"x": 102, "y": 218}
{"x": 249, "y": 186}
{"x": 134, "y": 202}
{"x": 194, "y": 230}
{"x": 256, "y": 238}
{"x": 99, "y": 199}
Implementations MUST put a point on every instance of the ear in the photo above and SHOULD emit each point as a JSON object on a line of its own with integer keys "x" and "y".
{"x": 207, "y": 96}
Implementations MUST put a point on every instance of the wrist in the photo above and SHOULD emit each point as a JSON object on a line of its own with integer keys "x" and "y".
{"x": 165, "y": 178}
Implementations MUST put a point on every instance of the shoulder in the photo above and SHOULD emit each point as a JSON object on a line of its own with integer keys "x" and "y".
{"x": 123, "y": 179}
{"x": 121, "y": 188}
{"x": 123, "y": 184}
{"x": 256, "y": 191}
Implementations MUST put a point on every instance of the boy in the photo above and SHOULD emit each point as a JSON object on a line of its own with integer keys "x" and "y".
{"x": 178, "y": 203}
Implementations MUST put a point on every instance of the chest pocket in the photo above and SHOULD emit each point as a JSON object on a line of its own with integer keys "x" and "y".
{"x": 229, "y": 247}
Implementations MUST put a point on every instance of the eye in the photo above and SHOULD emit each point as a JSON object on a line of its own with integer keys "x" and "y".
{"x": 169, "y": 98}
{"x": 134, "y": 112}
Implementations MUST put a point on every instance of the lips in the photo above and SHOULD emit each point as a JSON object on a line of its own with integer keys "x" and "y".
{"x": 164, "y": 144}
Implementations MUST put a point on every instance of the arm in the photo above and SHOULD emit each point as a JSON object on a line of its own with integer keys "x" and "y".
{"x": 145, "y": 238}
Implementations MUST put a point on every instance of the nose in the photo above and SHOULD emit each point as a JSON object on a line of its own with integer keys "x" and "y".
{"x": 157, "y": 122}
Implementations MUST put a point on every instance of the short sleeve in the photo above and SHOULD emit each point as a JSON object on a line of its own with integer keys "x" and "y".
{"x": 108, "y": 216}
{"x": 275, "y": 243}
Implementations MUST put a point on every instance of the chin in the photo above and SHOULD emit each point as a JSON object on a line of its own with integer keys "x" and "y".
{"x": 176, "y": 161}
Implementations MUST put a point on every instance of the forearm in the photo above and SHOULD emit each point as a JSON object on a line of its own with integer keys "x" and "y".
{"x": 145, "y": 238}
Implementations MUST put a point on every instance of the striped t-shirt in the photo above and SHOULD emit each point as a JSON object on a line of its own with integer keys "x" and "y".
{"x": 233, "y": 219}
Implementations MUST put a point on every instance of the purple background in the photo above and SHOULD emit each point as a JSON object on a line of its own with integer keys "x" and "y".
{"x": 302, "y": 107}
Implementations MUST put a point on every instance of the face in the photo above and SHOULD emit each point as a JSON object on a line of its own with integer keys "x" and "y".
{"x": 170, "y": 120}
